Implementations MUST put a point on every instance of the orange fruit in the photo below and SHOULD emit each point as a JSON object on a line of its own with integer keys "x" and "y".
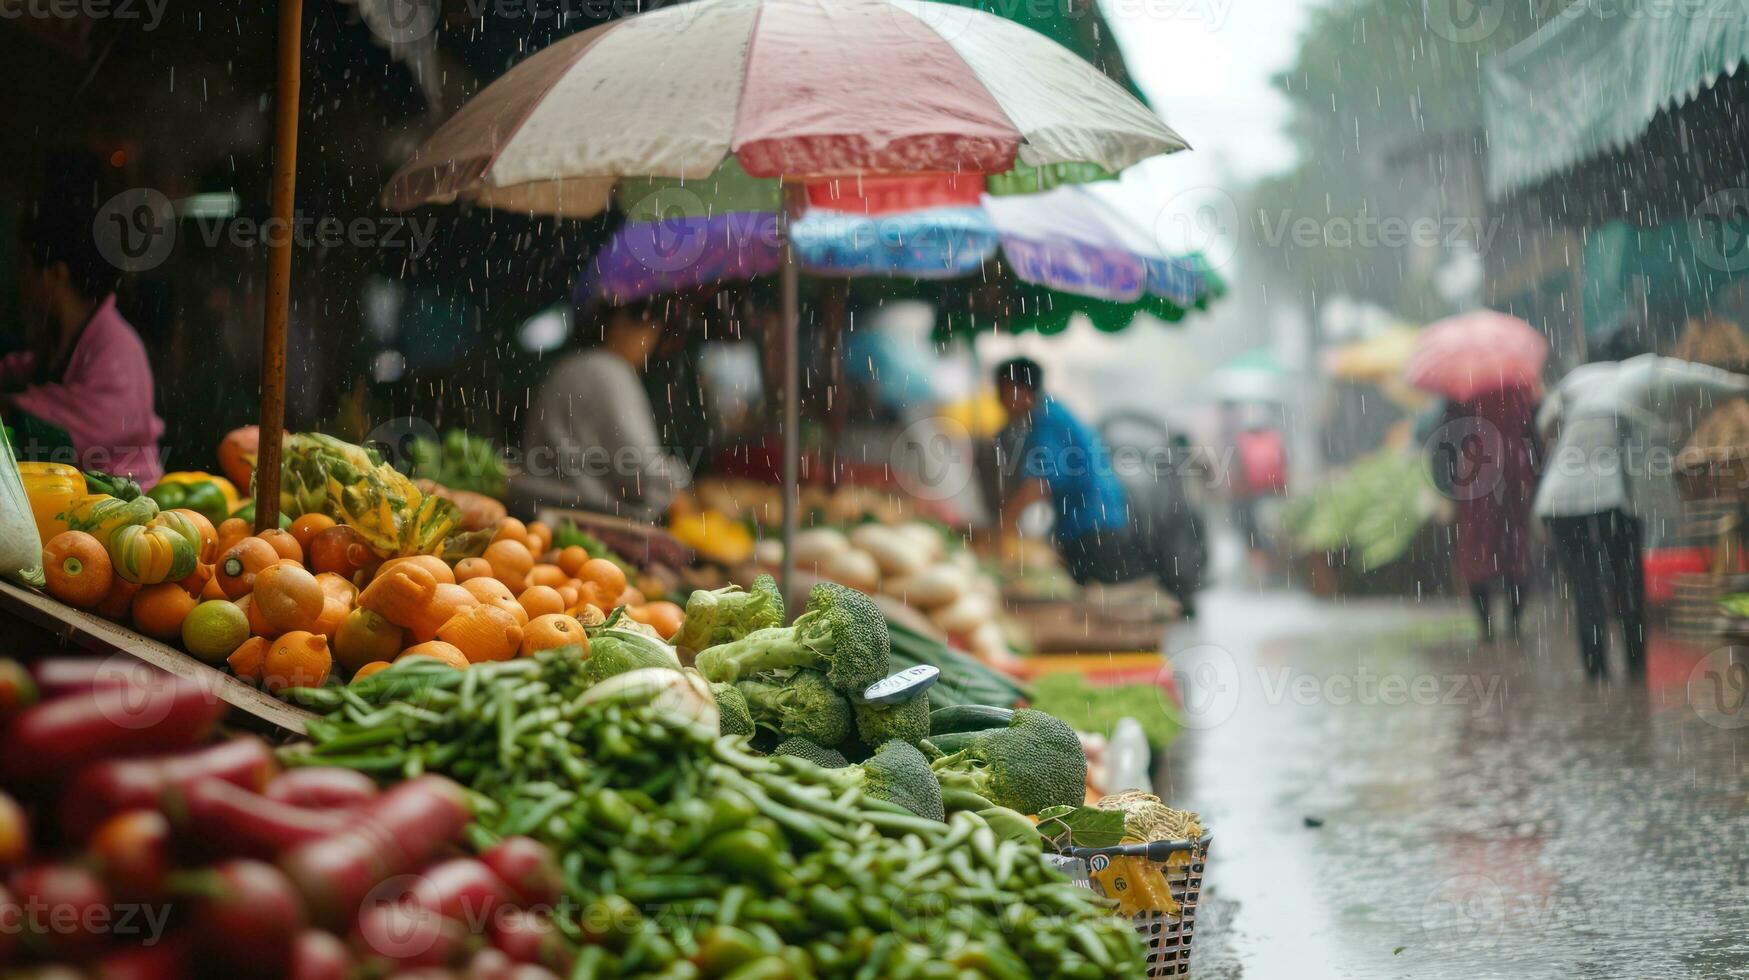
{"x": 365, "y": 636}
{"x": 120, "y": 599}
{"x": 630, "y": 597}
{"x": 288, "y": 596}
{"x": 77, "y": 569}
{"x": 212, "y": 589}
{"x": 305, "y": 529}
{"x": 571, "y": 559}
{"x": 471, "y": 568}
{"x": 571, "y": 592}
{"x": 368, "y": 669}
{"x": 483, "y": 633}
{"x": 551, "y": 631}
{"x": 589, "y": 615}
{"x": 511, "y": 529}
{"x": 445, "y": 602}
{"x": 198, "y": 581}
{"x": 238, "y": 566}
{"x": 439, "y": 651}
{"x": 607, "y": 576}
{"x": 551, "y": 576}
{"x": 209, "y": 536}
{"x": 231, "y": 531}
{"x": 665, "y": 617}
{"x": 297, "y": 659}
{"x": 438, "y": 568}
{"x": 540, "y": 537}
{"x": 284, "y": 543}
{"x": 510, "y": 563}
{"x": 160, "y": 609}
{"x": 334, "y": 613}
{"x": 401, "y": 596}
{"x": 257, "y": 625}
{"x": 540, "y": 600}
{"x": 336, "y": 586}
{"x": 337, "y": 550}
{"x": 247, "y": 660}
{"x": 492, "y": 592}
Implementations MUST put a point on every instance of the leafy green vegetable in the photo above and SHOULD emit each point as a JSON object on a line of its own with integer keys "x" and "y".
{"x": 1376, "y": 508}
{"x": 462, "y": 461}
{"x": 1083, "y": 826}
{"x": 1095, "y": 709}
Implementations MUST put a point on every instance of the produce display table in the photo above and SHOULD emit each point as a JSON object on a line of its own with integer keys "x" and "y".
{"x": 93, "y": 633}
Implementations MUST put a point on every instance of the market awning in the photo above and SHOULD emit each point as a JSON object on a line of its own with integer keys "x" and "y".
{"x": 1592, "y": 80}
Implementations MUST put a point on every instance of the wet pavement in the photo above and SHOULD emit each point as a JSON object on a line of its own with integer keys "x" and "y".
{"x": 1390, "y": 798}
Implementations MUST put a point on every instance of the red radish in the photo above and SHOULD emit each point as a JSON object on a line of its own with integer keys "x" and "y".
{"x": 17, "y": 689}
{"x": 251, "y": 918}
{"x": 132, "y": 852}
{"x": 529, "y": 868}
{"x": 397, "y": 833}
{"x": 217, "y": 819}
{"x": 14, "y": 833}
{"x": 462, "y": 889}
{"x": 60, "y": 676}
{"x": 66, "y": 909}
{"x": 408, "y": 936}
{"x": 529, "y": 938}
{"x": 491, "y": 964}
{"x": 318, "y": 955}
{"x": 157, "y": 959}
{"x": 47, "y": 741}
{"x": 322, "y": 788}
{"x": 130, "y": 784}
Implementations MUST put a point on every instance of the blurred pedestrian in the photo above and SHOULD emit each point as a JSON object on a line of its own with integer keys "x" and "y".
{"x": 1485, "y": 459}
{"x": 1619, "y": 422}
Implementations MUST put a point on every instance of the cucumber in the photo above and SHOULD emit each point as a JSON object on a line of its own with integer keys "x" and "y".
{"x": 968, "y": 718}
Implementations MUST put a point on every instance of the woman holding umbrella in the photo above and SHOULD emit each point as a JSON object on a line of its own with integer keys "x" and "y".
{"x": 1488, "y": 366}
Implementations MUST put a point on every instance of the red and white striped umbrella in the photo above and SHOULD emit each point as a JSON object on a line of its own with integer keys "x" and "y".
{"x": 1476, "y": 353}
{"x": 792, "y": 88}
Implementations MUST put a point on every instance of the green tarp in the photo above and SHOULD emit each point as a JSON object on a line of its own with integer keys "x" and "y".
{"x": 1592, "y": 79}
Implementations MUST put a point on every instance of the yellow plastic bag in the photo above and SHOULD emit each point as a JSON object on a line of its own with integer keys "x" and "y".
{"x": 1135, "y": 883}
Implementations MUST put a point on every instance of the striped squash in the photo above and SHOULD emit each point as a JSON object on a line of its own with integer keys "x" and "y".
{"x": 152, "y": 553}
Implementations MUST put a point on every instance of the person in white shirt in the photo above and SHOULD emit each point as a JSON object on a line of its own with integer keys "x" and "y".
{"x": 1621, "y": 423}
{"x": 590, "y": 442}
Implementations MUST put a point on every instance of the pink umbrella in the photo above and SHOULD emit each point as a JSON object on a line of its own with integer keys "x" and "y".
{"x": 1475, "y": 353}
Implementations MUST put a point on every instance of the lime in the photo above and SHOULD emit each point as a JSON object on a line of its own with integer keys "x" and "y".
{"x": 214, "y": 629}
{"x": 207, "y": 500}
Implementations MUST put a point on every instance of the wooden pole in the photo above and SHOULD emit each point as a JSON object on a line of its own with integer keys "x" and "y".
{"x": 279, "y": 263}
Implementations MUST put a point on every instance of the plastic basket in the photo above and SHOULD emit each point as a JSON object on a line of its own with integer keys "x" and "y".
{"x": 1167, "y": 935}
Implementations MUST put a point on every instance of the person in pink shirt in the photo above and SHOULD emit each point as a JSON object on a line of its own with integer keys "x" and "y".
{"x": 84, "y": 371}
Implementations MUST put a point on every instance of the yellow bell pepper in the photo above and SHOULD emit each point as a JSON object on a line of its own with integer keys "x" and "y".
{"x": 50, "y": 488}
{"x": 714, "y": 536}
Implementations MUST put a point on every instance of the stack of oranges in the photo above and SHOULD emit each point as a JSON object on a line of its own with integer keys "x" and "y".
{"x": 288, "y": 608}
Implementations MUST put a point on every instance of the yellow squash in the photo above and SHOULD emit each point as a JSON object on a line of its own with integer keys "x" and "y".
{"x": 50, "y": 487}
{"x": 99, "y": 515}
{"x": 152, "y": 553}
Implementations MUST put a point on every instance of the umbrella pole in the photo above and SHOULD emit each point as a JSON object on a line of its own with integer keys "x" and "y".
{"x": 279, "y": 256}
{"x": 792, "y": 443}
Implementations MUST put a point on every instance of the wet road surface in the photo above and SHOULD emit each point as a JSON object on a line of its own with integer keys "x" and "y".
{"x": 1390, "y": 798}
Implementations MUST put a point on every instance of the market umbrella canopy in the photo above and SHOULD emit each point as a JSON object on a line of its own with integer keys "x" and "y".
{"x": 1475, "y": 353}
{"x": 789, "y": 88}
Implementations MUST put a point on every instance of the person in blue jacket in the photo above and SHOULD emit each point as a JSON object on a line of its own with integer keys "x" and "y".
{"x": 1062, "y": 460}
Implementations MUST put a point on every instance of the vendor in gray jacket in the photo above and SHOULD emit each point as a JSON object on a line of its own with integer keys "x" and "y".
{"x": 590, "y": 441}
{"x": 1621, "y": 423}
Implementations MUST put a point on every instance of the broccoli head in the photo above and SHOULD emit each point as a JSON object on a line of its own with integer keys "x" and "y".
{"x": 735, "y": 717}
{"x": 878, "y": 724}
{"x": 1032, "y": 765}
{"x": 841, "y": 633}
{"x": 802, "y": 704}
{"x": 897, "y": 773}
{"x": 819, "y": 755}
{"x": 728, "y": 614}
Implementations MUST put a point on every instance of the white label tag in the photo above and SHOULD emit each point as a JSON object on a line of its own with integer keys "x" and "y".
{"x": 902, "y": 686}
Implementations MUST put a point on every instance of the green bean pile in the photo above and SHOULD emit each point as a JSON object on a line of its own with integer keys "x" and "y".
{"x": 689, "y": 857}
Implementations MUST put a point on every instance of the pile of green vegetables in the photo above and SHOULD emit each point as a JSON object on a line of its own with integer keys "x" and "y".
{"x": 1097, "y": 708}
{"x": 715, "y": 861}
{"x": 462, "y": 461}
{"x": 1376, "y": 509}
